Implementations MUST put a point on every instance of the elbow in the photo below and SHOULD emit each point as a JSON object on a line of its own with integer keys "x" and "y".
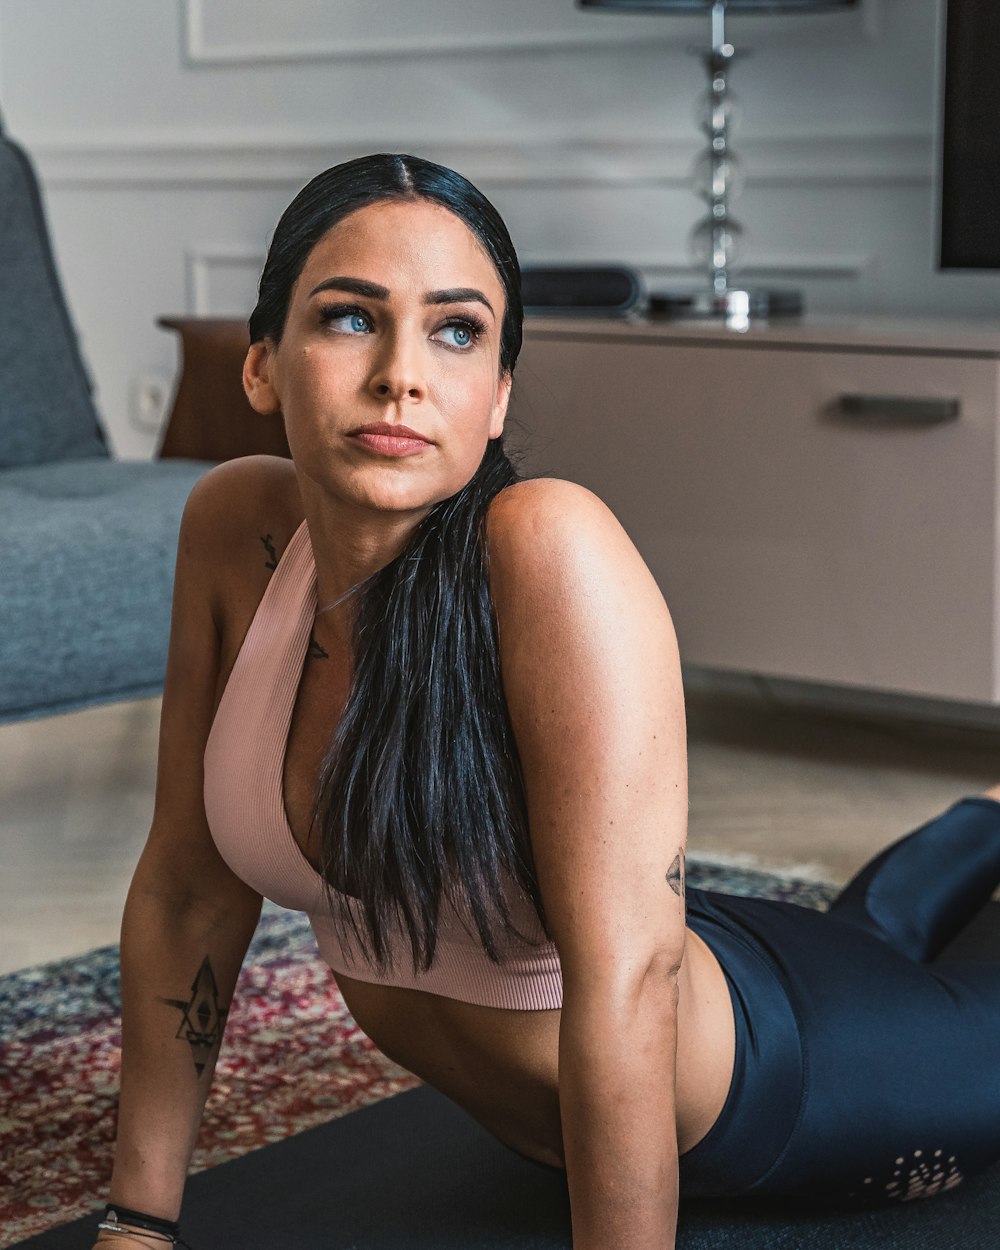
{"x": 627, "y": 990}
{"x": 663, "y": 968}
{"x": 619, "y": 1029}
{"x": 180, "y": 905}
{"x": 657, "y": 990}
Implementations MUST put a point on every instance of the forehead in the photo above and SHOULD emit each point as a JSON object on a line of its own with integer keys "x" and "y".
{"x": 414, "y": 240}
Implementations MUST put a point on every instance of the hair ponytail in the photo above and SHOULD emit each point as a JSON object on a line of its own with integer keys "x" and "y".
{"x": 422, "y": 784}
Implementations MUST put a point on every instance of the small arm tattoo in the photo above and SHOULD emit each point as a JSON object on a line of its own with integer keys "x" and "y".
{"x": 203, "y": 1018}
{"x": 675, "y": 876}
{"x": 269, "y": 546}
{"x": 316, "y": 652}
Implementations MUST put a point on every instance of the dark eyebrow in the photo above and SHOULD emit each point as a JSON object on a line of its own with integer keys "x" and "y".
{"x": 358, "y": 286}
{"x": 458, "y": 295}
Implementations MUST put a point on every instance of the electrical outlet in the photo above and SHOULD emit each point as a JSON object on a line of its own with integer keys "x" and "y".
{"x": 148, "y": 400}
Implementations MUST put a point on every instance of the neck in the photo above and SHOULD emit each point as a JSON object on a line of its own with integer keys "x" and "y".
{"x": 350, "y": 542}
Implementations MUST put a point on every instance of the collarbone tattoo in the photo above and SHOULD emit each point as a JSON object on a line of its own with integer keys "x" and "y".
{"x": 269, "y": 547}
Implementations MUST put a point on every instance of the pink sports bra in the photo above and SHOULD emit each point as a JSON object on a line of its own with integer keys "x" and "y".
{"x": 244, "y": 803}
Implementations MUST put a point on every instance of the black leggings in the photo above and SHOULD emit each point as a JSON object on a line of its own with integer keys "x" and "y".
{"x": 865, "y": 1073}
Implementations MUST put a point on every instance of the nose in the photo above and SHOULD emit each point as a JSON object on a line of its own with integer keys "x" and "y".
{"x": 398, "y": 371}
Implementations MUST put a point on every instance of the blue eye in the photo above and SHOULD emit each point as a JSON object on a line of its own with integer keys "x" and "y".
{"x": 357, "y": 321}
{"x": 466, "y": 333}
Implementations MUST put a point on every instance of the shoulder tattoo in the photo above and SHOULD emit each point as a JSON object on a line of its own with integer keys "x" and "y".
{"x": 675, "y": 875}
{"x": 316, "y": 652}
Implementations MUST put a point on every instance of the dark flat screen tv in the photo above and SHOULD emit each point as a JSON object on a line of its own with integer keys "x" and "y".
{"x": 970, "y": 137}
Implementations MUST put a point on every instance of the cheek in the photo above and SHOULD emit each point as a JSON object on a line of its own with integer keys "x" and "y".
{"x": 316, "y": 370}
{"x": 466, "y": 395}
{"x": 314, "y": 383}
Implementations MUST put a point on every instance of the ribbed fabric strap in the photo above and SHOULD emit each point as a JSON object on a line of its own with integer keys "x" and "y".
{"x": 244, "y": 765}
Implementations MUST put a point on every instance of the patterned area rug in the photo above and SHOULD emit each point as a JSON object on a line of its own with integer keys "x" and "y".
{"x": 292, "y": 1058}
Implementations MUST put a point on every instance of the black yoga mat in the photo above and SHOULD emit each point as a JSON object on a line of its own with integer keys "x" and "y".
{"x": 414, "y": 1172}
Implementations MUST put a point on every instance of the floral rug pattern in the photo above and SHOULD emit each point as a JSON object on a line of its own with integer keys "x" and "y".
{"x": 292, "y": 1058}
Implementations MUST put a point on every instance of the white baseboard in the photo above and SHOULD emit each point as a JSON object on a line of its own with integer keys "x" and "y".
{"x": 846, "y": 700}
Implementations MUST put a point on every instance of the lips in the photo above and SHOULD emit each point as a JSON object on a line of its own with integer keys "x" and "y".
{"x": 394, "y": 444}
{"x": 391, "y": 431}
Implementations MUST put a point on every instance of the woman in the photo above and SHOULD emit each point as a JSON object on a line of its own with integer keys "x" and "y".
{"x": 440, "y": 709}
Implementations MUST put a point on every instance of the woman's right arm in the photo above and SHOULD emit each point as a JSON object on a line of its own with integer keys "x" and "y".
{"x": 188, "y": 919}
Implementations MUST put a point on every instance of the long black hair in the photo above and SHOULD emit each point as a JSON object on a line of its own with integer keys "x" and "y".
{"x": 421, "y": 792}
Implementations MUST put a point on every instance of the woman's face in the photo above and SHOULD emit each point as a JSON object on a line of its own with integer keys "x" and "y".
{"x": 395, "y": 318}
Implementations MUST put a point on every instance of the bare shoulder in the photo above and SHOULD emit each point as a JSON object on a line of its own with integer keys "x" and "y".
{"x": 536, "y": 519}
{"x": 236, "y": 491}
{"x": 549, "y": 538}
{"x": 540, "y": 495}
{"x": 238, "y": 520}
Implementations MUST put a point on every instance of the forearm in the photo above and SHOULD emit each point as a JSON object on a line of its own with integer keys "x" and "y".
{"x": 179, "y": 968}
{"x": 617, "y": 1100}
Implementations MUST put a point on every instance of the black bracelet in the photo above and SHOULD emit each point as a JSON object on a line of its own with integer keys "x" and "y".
{"x": 154, "y": 1223}
{"x": 116, "y": 1216}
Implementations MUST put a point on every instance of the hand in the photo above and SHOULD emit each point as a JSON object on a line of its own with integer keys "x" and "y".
{"x": 107, "y": 1240}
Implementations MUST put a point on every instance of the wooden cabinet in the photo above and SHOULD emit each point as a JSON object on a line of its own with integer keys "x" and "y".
{"x": 211, "y": 418}
{"x": 817, "y": 501}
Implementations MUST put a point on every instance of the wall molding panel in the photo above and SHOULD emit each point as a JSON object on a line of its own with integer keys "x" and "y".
{"x": 339, "y": 34}
{"x": 820, "y": 160}
{"x": 204, "y": 269}
{"x": 210, "y": 271}
{"x": 214, "y": 31}
{"x": 849, "y": 267}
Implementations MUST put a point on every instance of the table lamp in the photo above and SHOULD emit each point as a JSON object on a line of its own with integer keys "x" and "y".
{"x": 715, "y": 239}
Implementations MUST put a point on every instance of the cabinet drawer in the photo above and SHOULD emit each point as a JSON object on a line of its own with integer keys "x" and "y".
{"x": 789, "y": 536}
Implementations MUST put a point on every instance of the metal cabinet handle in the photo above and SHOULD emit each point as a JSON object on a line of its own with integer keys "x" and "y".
{"x": 899, "y": 409}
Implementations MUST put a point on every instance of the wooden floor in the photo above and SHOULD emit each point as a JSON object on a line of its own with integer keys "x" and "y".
{"x": 809, "y": 792}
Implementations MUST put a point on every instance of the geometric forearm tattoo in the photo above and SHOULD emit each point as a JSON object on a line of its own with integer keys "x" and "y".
{"x": 203, "y": 1018}
{"x": 676, "y": 875}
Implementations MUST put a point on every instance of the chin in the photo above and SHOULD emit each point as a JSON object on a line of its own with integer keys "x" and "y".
{"x": 394, "y": 491}
{"x": 406, "y": 484}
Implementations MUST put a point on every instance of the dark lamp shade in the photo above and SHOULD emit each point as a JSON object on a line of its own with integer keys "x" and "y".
{"x": 705, "y": 6}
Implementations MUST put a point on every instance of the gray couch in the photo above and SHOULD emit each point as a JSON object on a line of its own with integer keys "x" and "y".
{"x": 88, "y": 547}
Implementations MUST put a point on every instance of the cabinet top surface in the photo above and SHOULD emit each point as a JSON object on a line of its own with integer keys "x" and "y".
{"x": 979, "y": 336}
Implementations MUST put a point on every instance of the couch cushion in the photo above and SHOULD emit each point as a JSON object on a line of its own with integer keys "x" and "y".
{"x": 88, "y": 566}
{"x": 46, "y": 411}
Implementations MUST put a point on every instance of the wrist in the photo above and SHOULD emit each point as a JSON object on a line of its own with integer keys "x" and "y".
{"x": 126, "y": 1224}
{"x": 127, "y": 1240}
{"x": 157, "y": 1190}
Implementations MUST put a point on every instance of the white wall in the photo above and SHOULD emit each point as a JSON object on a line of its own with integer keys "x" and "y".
{"x": 169, "y": 134}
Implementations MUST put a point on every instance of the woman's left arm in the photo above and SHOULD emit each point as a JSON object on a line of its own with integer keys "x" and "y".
{"x": 592, "y": 678}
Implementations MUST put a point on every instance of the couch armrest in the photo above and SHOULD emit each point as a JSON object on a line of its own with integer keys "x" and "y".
{"x": 211, "y": 418}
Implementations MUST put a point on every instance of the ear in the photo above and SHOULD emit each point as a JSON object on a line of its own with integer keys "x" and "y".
{"x": 499, "y": 413}
{"x": 257, "y": 378}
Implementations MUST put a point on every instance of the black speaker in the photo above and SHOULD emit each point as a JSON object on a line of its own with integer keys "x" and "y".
{"x": 579, "y": 290}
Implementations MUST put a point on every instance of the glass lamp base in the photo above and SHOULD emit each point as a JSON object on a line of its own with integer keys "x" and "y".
{"x": 732, "y": 305}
